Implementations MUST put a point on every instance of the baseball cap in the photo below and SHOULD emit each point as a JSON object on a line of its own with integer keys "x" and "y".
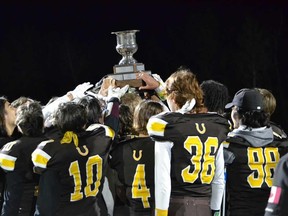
{"x": 247, "y": 99}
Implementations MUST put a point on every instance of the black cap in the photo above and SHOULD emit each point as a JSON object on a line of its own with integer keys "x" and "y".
{"x": 247, "y": 99}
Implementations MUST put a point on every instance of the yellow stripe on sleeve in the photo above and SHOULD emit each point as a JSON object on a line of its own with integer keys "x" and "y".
{"x": 225, "y": 144}
{"x": 156, "y": 127}
{"x": 160, "y": 212}
{"x": 7, "y": 162}
{"x": 40, "y": 158}
{"x": 109, "y": 132}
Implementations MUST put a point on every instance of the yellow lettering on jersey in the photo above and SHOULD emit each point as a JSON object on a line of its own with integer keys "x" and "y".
{"x": 83, "y": 153}
{"x": 203, "y": 161}
{"x": 75, "y": 172}
{"x": 201, "y": 131}
{"x": 139, "y": 188}
{"x": 255, "y": 163}
{"x": 263, "y": 164}
{"x": 209, "y": 160}
{"x": 272, "y": 157}
{"x": 135, "y": 157}
{"x": 195, "y": 160}
{"x": 92, "y": 161}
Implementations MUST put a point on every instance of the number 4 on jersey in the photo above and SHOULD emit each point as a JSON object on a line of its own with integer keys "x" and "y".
{"x": 139, "y": 188}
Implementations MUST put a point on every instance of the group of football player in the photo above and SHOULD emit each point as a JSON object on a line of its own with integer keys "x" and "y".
{"x": 177, "y": 147}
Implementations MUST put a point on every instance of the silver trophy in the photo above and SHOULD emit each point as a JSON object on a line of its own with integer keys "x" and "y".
{"x": 125, "y": 71}
{"x": 126, "y": 46}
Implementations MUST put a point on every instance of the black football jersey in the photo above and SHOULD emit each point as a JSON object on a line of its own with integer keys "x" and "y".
{"x": 16, "y": 155}
{"x": 250, "y": 175}
{"x": 81, "y": 169}
{"x": 3, "y": 141}
{"x": 196, "y": 139}
{"x": 21, "y": 181}
{"x": 278, "y": 202}
{"x": 133, "y": 160}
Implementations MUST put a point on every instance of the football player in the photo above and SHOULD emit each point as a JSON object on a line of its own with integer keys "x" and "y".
{"x": 15, "y": 160}
{"x": 7, "y": 122}
{"x": 8, "y": 132}
{"x": 215, "y": 96}
{"x": 94, "y": 111}
{"x": 134, "y": 162}
{"x": 252, "y": 155}
{"x": 278, "y": 202}
{"x": 189, "y": 161}
{"x": 79, "y": 159}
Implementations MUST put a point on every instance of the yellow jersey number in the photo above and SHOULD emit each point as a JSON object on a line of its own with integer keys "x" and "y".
{"x": 263, "y": 163}
{"x": 203, "y": 159}
{"x": 74, "y": 171}
{"x": 139, "y": 188}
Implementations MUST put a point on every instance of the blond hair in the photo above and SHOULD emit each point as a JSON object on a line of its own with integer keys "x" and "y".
{"x": 182, "y": 86}
{"x": 131, "y": 100}
{"x": 143, "y": 112}
{"x": 269, "y": 101}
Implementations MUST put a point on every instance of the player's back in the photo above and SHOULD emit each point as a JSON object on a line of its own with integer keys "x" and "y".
{"x": 15, "y": 159}
{"x": 18, "y": 154}
{"x": 80, "y": 168}
{"x": 250, "y": 175}
{"x": 133, "y": 160}
{"x": 196, "y": 140}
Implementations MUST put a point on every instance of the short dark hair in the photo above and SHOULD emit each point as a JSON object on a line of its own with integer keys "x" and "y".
{"x": 253, "y": 118}
{"x": 30, "y": 119}
{"x": 216, "y": 95}
{"x": 92, "y": 107}
{"x": 71, "y": 116}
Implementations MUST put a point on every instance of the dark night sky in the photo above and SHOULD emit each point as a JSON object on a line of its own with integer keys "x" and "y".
{"x": 47, "y": 49}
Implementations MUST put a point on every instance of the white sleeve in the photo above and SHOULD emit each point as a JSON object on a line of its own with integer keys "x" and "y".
{"x": 107, "y": 196}
{"x": 162, "y": 174}
{"x": 218, "y": 183}
{"x": 52, "y": 107}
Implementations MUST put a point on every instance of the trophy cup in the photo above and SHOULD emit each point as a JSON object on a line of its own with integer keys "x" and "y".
{"x": 125, "y": 71}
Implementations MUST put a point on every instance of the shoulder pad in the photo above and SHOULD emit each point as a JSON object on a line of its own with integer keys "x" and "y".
{"x": 108, "y": 131}
{"x": 43, "y": 143}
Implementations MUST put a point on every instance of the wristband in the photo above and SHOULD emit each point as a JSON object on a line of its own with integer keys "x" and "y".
{"x": 215, "y": 212}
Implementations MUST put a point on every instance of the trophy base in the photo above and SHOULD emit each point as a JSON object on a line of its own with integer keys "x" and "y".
{"x": 123, "y": 79}
{"x": 128, "y": 68}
